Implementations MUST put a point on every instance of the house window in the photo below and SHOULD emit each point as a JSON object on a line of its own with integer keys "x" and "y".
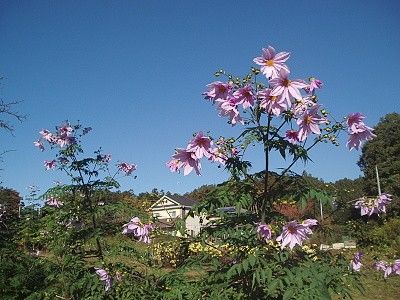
{"x": 173, "y": 214}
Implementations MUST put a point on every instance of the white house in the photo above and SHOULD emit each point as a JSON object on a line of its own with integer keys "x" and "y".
{"x": 168, "y": 208}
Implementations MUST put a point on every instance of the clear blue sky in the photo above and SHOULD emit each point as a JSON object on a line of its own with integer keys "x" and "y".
{"x": 135, "y": 71}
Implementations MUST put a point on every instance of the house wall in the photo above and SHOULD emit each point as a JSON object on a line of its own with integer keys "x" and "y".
{"x": 167, "y": 213}
{"x": 193, "y": 225}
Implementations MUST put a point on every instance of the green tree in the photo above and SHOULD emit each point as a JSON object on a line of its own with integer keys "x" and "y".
{"x": 9, "y": 205}
{"x": 384, "y": 152}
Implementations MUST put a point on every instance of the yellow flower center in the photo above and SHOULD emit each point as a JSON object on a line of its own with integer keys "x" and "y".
{"x": 273, "y": 98}
{"x": 269, "y": 63}
{"x": 308, "y": 120}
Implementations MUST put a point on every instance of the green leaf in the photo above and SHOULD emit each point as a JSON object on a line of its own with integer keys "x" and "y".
{"x": 288, "y": 295}
{"x": 245, "y": 265}
{"x": 252, "y": 260}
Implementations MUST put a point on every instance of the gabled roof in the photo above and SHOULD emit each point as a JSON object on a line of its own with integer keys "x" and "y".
{"x": 183, "y": 200}
{"x": 178, "y": 200}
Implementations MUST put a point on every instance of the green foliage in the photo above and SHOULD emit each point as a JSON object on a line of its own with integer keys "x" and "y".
{"x": 346, "y": 192}
{"x": 384, "y": 152}
{"x": 20, "y": 274}
{"x": 264, "y": 272}
{"x": 378, "y": 235}
{"x": 10, "y": 202}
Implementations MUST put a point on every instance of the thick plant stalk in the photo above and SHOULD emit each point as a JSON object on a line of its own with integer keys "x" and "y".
{"x": 94, "y": 223}
{"x": 266, "y": 196}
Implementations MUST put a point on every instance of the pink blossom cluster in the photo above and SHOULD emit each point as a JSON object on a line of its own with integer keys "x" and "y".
{"x": 104, "y": 276}
{"x": 200, "y": 146}
{"x": 358, "y": 131}
{"x": 282, "y": 94}
{"x": 138, "y": 230}
{"x": 125, "y": 167}
{"x": 388, "y": 268}
{"x": 293, "y": 233}
{"x": 356, "y": 261}
{"x": 54, "y": 202}
{"x": 64, "y": 136}
{"x": 370, "y": 206}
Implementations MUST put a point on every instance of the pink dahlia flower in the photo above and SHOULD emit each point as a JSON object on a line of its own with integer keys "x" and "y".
{"x": 310, "y": 222}
{"x": 64, "y": 137}
{"x": 272, "y": 104}
{"x": 54, "y": 202}
{"x": 188, "y": 161}
{"x": 138, "y": 230}
{"x": 292, "y": 136}
{"x": 360, "y": 133}
{"x": 271, "y": 62}
{"x": 309, "y": 123}
{"x": 228, "y": 108}
{"x": 396, "y": 266}
{"x": 354, "y": 119}
{"x": 294, "y": 233}
{"x": 200, "y": 145}
{"x": 286, "y": 88}
{"x": 314, "y": 85}
{"x": 132, "y": 226}
{"x": 126, "y": 168}
{"x": 264, "y": 231}
{"x": 382, "y": 201}
{"x": 356, "y": 261}
{"x": 385, "y": 267}
{"x": 50, "y": 164}
{"x": 372, "y": 206}
{"x": 364, "y": 208}
{"x": 63, "y": 141}
{"x": 65, "y": 129}
{"x": 174, "y": 165}
{"x": 143, "y": 233}
{"x": 245, "y": 96}
{"x": 104, "y": 277}
{"x": 217, "y": 90}
{"x": 47, "y": 135}
{"x": 39, "y": 144}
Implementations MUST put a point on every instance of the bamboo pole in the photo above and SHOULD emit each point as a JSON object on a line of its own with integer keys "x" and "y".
{"x": 377, "y": 180}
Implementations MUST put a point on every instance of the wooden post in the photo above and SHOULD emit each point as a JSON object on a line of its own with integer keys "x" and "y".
{"x": 377, "y": 180}
{"x": 320, "y": 207}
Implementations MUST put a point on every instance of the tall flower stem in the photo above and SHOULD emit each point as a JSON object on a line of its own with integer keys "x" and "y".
{"x": 88, "y": 201}
{"x": 266, "y": 196}
{"x": 94, "y": 223}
